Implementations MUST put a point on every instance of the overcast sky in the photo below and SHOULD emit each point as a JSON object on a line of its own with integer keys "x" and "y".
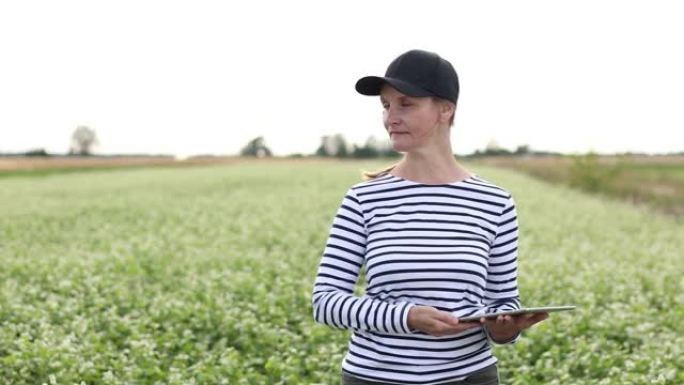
{"x": 200, "y": 77}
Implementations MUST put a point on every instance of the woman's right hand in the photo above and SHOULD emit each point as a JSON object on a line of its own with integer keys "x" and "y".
{"x": 436, "y": 322}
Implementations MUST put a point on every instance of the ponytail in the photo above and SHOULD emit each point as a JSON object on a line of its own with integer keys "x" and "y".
{"x": 370, "y": 175}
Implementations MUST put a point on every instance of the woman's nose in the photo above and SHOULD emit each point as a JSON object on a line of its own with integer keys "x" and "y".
{"x": 391, "y": 117}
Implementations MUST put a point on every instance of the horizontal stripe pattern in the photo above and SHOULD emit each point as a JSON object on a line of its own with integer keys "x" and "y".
{"x": 451, "y": 246}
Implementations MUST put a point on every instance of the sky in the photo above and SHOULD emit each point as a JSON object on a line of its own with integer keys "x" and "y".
{"x": 205, "y": 77}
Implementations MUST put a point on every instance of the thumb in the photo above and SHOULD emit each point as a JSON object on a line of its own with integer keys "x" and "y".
{"x": 447, "y": 318}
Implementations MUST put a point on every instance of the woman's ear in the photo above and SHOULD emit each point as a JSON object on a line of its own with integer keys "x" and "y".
{"x": 446, "y": 110}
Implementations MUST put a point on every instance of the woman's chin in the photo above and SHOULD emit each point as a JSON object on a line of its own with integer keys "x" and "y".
{"x": 400, "y": 147}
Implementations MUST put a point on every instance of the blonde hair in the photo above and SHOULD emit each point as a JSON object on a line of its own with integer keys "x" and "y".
{"x": 370, "y": 175}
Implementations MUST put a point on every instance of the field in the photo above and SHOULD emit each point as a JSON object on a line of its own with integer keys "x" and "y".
{"x": 655, "y": 181}
{"x": 203, "y": 275}
{"x": 40, "y": 166}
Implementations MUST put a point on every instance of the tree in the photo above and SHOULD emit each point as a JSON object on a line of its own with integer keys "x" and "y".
{"x": 325, "y": 148}
{"x": 334, "y": 145}
{"x": 340, "y": 146}
{"x": 256, "y": 147}
{"x": 83, "y": 140}
{"x": 369, "y": 150}
{"x": 523, "y": 149}
{"x": 493, "y": 148}
{"x": 385, "y": 149}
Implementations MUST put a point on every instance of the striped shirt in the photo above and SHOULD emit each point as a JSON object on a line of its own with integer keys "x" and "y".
{"x": 450, "y": 246}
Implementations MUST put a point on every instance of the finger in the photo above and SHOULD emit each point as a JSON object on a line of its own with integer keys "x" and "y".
{"x": 540, "y": 317}
{"x": 474, "y": 322}
{"x": 491, "y": 320}
{"x": 469, "y": 325}
{"x": 485, "y": 320}
{"x": 536, "y": 318}
{"x": 447, "y": 318}
{"x": 438, "y": 328}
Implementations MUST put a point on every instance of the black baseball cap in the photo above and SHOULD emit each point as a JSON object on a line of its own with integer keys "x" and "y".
{"x": 415, "y": 73}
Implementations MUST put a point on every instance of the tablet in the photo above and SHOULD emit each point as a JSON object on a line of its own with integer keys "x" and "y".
{"x": 525, "y": 310}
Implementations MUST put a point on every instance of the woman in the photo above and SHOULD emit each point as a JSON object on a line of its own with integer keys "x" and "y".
{"x": 437, "y": 242}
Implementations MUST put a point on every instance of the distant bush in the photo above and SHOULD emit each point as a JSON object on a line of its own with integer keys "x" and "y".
{"x": 37, "y": 152}
{"x": 589, "y": 174}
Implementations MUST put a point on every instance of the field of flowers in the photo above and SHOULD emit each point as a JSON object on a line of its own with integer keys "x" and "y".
{"x": 203, "y": 275}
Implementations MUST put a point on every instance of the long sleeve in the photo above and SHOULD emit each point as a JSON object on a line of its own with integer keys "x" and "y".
{"x": 333, "y": 301}
{"x": 501, "y": 290}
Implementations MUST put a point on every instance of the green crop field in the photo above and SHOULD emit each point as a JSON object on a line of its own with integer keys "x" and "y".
{"x": 203, "y": 275}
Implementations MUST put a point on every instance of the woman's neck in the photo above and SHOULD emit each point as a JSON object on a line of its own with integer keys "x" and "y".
{"x": 433, "y": 169}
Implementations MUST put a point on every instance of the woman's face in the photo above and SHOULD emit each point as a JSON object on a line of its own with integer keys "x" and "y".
{"x": 411, "y": 122}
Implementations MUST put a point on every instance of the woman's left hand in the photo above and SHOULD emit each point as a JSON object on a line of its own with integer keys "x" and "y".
{"x": 505, "y": 327}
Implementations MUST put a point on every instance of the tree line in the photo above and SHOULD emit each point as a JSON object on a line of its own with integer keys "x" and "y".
{"x": 334, "y": 146}
{"x": 84, "y": 139}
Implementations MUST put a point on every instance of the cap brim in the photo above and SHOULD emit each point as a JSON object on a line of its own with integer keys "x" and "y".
{"x": 371, "y": 85}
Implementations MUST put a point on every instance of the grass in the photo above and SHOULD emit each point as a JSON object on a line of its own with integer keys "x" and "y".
{"x": 656, "y": 182}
